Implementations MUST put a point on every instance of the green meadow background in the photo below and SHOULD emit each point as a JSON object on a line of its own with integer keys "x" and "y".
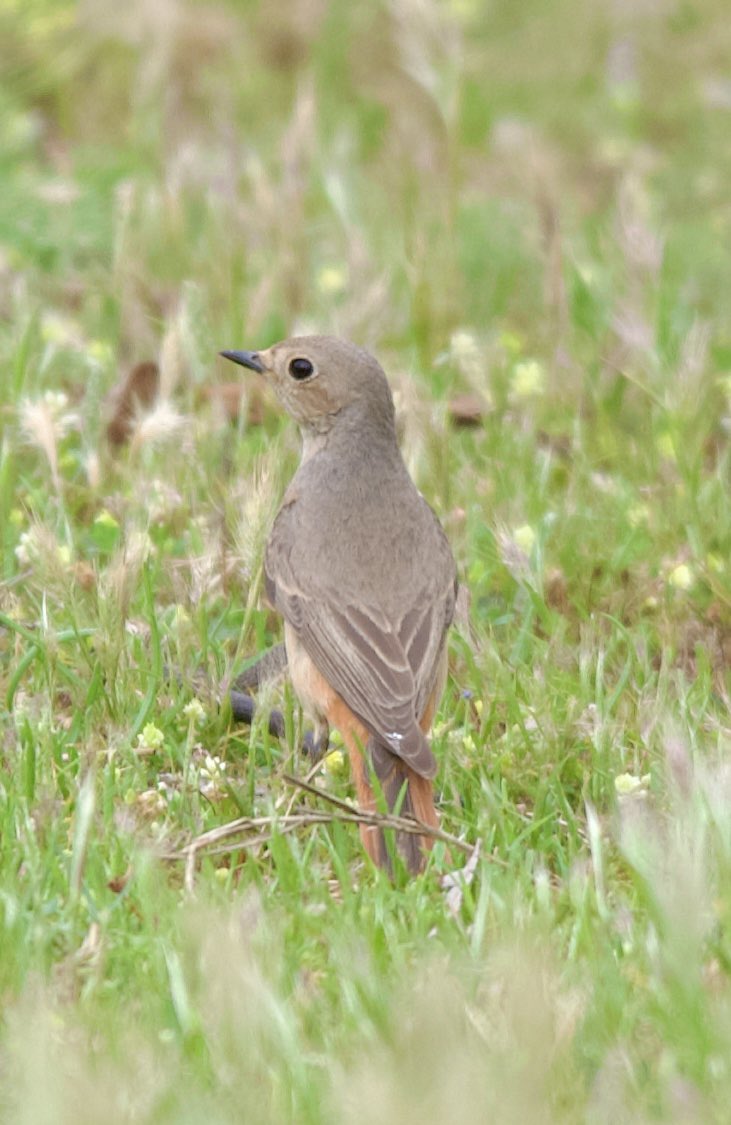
{"x": 523, "y": 209}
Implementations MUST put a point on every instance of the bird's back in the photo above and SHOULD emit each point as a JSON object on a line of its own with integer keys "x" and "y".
{"x": 395, "y": 550}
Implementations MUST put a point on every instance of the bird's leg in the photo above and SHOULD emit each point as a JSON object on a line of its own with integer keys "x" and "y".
{"x": 315, "y": 743}
{"x": 268, "y": 666}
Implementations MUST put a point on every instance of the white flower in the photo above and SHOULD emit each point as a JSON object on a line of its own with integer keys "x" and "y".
{"x": 56, "y": 401}
{"x": 212, "y": 767}
{"x": 466, "y": 352}
{"x": 25, "y": 551}
{"x": 628, "y": 784}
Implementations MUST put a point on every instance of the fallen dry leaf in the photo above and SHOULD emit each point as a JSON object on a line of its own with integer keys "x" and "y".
{"x": 119, "y": 882}
{"x": 466, "y": 410}
{"x": 84, "y": 575}
{"x": 136, "y": 392}
{"x": 556, "y": 591}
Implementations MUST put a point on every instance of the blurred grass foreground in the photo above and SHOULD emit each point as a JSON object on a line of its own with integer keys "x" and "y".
{"x": 523, "y": 209}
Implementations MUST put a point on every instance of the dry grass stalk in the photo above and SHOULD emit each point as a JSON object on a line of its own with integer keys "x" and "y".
{"x": 262, "y": 828}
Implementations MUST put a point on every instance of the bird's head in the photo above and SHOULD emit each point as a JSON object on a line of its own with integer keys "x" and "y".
{"x": 319, "y": 378}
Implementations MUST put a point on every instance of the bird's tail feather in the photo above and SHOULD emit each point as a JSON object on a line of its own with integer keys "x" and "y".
{"x": 406, "y": 793}
{"x": 409, "y": 794}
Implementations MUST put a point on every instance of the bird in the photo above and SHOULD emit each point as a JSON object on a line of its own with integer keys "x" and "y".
{"x": 361, "y": 571}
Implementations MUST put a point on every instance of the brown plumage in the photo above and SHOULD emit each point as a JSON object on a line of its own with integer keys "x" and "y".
{"x": 361, "y": 571}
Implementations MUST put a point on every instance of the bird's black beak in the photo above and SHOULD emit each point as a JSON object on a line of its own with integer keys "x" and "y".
{"x": 246, "y": 359}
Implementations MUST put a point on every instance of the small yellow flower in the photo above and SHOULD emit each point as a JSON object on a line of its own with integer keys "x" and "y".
{"x": 714, "y": 562}
{"x": 681, "y": 577}
{"x": 334, "y": 762}
{"x": 194, "y": 711}
{"x": 107, "y": 520}
{"x": 331, "y": 280}
{"x": 150, "y": 740}
{"x": 477, "y": 704}
{"x": 528, "y": 379}
{"x": 525, "y": 537}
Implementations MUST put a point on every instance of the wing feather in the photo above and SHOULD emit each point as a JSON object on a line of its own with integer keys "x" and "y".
{"x": 385, "y": 671}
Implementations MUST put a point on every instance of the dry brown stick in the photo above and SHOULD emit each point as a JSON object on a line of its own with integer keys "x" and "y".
{"x": 211, "y": 841}
{"x": 283, "y": 824}
{"x": 242, "y": 824}
{"x": 191, "y": 853}
{"x": 380, "y": 820}
{"x": 246, "y": 824}
{"x": 342, "y": 813}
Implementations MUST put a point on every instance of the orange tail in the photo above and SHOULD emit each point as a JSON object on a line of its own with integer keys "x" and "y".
{"x": 409, "y": 794}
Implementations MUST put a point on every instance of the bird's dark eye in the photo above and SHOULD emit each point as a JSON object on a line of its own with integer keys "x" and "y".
{"x": 300, "y": 368}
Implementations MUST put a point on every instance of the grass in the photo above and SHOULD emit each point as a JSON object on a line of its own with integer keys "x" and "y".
{"x": 525, "y": 204}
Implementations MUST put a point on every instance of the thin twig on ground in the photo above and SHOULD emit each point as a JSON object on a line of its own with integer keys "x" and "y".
{"x": 260, "y": 829}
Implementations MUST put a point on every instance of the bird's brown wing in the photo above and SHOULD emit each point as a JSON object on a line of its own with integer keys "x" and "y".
{"x": 380, "y": 670}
